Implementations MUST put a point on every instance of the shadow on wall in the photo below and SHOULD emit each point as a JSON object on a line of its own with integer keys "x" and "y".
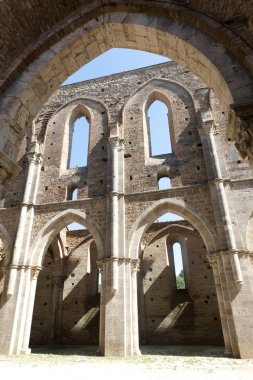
{"x": 67, "y": 304}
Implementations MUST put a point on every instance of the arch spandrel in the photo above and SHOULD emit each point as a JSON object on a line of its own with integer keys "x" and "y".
{"x": 150, "y": 33}
{"x": 159, "y": 208}
{"x": 55, "y": 225}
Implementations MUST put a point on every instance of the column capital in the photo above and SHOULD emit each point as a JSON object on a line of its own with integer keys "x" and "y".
{"x": 35, "y": 154}
{"x": 120, "y": 260}
{"x": 206, "y": 120}
{"x": 135, "y": 263}
{"x": 35, "y": 158}
{"x": 116, "y": 142}
{"x": 213, "y": 259}
{"x": 35, "y": 272}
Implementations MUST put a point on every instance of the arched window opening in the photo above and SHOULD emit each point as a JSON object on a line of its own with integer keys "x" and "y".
{"x": 69, "y": 278}
{"x": 158, "y": 123}
{"x": 169, "y": 217}
{"x": 99, "y": 283}
{"x": 72, "y": 194}
{"x": 75, "y": 195}
{"x": 75, "y": 226}
{"x": 178, "y": 266}
{"x": 80, "y": 143}
{"x": 164, "y": 183}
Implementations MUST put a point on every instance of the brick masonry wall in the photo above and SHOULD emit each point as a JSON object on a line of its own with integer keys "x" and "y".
{"x": 124, "y": 98}
{"x": 67, "y": 300}
{"x": 169, "y": 315}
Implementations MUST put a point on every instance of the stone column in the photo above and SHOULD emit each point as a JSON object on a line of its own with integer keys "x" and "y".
{"x": 135, "y": 318}
{"x": 235, "y": 276}
{"x": 215, "y": 261}
{"x": 17, "y": 310}
{"x": 58, "y": 282}
{"x": 117, "y": 207}
{"x": 119, "y": 315}
{"x": 219, "y": 182}
{"x": 24, "y": 229}
{"x": 28, "y": 322}
{"x": 101, "y": 269}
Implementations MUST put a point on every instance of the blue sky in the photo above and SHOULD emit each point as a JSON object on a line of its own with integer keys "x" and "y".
{"x": 111, "y": 62}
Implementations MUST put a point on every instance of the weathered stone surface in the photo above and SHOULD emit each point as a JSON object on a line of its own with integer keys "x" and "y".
{"x": 118, "y": 202}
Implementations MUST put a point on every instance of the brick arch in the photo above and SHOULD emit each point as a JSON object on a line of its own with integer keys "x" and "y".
{"x": 166, "y": 230}
{"x": 55, "y": 225}
{"x": 160, "y": 89}
{"x": 144, "y": 221}
{"x": 159, "y": 92}
{"x": 141, "y": 30}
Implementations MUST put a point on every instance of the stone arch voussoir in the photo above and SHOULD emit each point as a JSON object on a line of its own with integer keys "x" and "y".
{"x": 161, "y": 207}
{"x": 55, "y": 225}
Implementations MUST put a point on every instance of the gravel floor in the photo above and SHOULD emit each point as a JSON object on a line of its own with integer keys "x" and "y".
{"x": 163, "y": 362}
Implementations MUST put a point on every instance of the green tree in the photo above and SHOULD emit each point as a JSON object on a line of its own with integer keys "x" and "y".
{"x": 180, "y": 282}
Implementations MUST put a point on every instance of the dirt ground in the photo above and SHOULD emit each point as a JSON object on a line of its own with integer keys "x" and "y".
{"x": 155, "y": 363}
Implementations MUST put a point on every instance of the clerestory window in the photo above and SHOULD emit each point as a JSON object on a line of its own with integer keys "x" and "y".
{"x": 80, "y": 143}
{"x": 159, "y": 132}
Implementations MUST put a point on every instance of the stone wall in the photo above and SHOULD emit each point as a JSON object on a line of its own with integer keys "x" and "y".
{"x": 118, "y": 202}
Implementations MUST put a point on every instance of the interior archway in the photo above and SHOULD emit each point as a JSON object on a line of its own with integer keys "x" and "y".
{"x": 148, "y": 32}
{"x": 67, "y": 302}
{"x": 177, "y": 299}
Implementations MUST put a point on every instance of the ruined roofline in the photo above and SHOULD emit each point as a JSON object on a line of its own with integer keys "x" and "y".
{"x": 118, "y": 75}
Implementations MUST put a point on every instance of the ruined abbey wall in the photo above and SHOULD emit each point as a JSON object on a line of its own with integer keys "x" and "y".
{"x": 55, "y": 272}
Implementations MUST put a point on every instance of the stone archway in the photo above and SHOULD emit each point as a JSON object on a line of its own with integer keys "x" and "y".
{"x": 130, "y": 28}
{"x": 159, "y": 208}
{"x": 20, "y": 336}
{"x": 54, "y": 226}
{"x": 157, "y": 279}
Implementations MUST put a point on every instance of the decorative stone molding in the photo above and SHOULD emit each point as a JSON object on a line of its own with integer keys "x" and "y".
{"x": 120, "y": 260}
{"x": 213, "y": 260}
{"x": 35, "y": 272}
{"x": 100, "y": 266}
{"x": 240, "y": 129}
{"x": 135, "y": 265}
{"x": 116, "y": 142}
{"x": 35, "y": 153}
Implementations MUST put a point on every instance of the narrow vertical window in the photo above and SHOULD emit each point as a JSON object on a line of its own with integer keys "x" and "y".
{"x": 80, "y": 143}
{"x": 72, "y": 193}
{"x": 75, "y": 195}
{"x": 164, "y": 183}
{"x": 178, "y": 266}
{"x": 99, "y": 283}
{"x": 159, "y": 133}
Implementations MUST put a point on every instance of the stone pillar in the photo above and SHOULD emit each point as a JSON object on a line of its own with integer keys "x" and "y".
{"x": 235, "y": 276}
{"x": 116, "y": 238}
{"x": 17, "y": 310}
{"x": 119, "y": 311}
{"x": 101, "y": 269}
{"x": 28, "y": 321}
{"x": 215, "y": 261}
{"x": 21, "y": 246}
{"x": 56, "y": 299}
{"x": 135, "y": 317}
